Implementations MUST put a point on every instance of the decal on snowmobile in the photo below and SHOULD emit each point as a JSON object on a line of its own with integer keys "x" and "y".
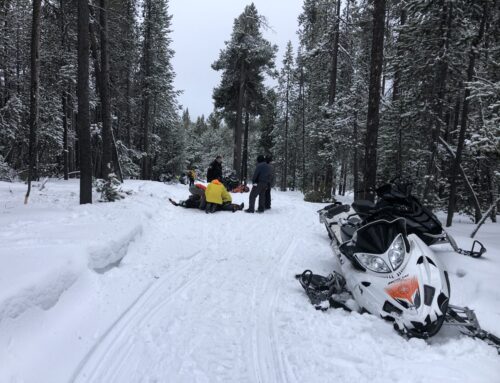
{"x": 404, "y": 291}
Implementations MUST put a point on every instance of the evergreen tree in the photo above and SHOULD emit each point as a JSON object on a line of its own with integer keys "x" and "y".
{"x": 244, "y": 61}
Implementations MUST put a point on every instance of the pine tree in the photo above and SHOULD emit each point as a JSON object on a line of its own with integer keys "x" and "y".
{"x": 244, "y": 61}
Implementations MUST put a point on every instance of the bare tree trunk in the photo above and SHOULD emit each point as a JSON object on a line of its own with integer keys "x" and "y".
{"x": 145, "y": 122}
{"x": 333, "y": 73}
{"x": 64, "y": 97}
{"x": 284, "y": 181}
{"x": 345, "y": 178}
{"x": 65, "y": 136}
{"x": 372, "y": 124}
{"x": 465, "y": 113}
{"x": 239, "y": 117}
{"x": 94, "y": 48}
{"x": 355, "y": 167}
{"x": 105, "y": 94}
{"x": 128, "y": 112}
{"x": 303, "y": 102}
{"x": 34, "y": 94}
{"x": 397, "y": 103}
{"x": 493, "y": 194}
{"x": 468, "y": 185}
{"x": 441, "y": 78}
{"x": 485, "y": 216}
{"x": 245, "y": 147}
{"x": 83, "y": 104}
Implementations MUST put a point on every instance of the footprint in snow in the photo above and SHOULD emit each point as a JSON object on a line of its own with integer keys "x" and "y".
{"x": 461, "y": 273}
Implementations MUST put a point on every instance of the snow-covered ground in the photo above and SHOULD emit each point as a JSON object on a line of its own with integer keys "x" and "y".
{"x": 142, "y": 291}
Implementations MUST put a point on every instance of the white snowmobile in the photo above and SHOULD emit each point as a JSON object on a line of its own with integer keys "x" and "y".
{"x": 389, "y": 273}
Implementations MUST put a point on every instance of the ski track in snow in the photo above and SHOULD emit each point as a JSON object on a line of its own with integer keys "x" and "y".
{"x": 268, "y": 359}
{"x": 108, "y": 358}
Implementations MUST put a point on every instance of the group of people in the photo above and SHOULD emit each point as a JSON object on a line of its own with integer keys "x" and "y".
{"x": 215, "y": 196}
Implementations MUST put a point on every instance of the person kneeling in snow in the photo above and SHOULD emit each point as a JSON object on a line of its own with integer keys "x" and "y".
{"x": 196, "y": 200}
{"x": 218, "y": 198}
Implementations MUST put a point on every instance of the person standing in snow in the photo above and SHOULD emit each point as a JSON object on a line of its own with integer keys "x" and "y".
{"x": 218, "y": 198}
{"x": 191, "y": 175}
{"x": 214, "y": 171}
{"x": 260, "y": 180}
{"x": 267, "y": 204}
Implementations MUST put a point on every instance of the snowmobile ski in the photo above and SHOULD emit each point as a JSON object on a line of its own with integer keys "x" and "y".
{"x": 466, "y": 321}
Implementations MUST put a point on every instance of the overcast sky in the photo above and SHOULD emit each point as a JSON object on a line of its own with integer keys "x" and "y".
{"x": 200, "y": 28}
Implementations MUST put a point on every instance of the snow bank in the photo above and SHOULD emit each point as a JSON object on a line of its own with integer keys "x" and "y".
{"x": 30, "y": 280}
{"x": 49, "y": 243}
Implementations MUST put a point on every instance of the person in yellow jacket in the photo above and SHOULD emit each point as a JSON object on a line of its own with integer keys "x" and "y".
{"x": 218, "y": 198}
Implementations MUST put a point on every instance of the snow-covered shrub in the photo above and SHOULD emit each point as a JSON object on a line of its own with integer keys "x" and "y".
{"x": 6, "y": 172}
{"x": 110, "y": 189}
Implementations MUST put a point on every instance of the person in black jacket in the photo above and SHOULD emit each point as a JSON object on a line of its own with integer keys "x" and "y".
{"x": 267, "y": 205}
{"x": 261, "y": 179}
{"x": 214, "y": 171}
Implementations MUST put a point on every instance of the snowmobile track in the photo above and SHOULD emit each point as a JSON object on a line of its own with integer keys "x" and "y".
{"x": 112, "y": 348}
{"x": 268, "y": 361}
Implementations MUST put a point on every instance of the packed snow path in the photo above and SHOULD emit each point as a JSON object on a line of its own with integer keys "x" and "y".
{"x": 212, "y": 298}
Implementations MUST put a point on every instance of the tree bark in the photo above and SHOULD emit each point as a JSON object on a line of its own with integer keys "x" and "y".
{"x": 83, "y": 117}
{"x": 333, "y": 73}
{"x": 372, "y": 124}
{"x": 94, "y": 49}
{"x": 239, "y": 117}
{"x": 284, "y": 181}
{"x": 468, "y": 185}
{"x": 34, "y": 94}
{"x": 65, "y": 136}
{"x": 441, "y": 78}
{"x": 397, "y": 103}
{"x": 245, "y": 147}
{"x": 145, "y": 122}
{"x": 355, "y": 167}
{"x": 303, "y": 102}
{"x": 485, "y": 216}
{"x": 64, "y": 96}
{"x": 463, "y": 123}
{"x": 105, "y": 94}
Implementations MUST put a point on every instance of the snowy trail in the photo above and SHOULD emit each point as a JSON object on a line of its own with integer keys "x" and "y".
{"x": 213, "y": 298}
{"x": 176, "y": 317}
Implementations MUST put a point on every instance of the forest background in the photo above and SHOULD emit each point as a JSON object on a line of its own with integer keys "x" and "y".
{"x": 375, "y": 90}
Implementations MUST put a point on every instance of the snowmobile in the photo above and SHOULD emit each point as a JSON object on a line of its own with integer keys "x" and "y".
{"x": 387, "y": 271}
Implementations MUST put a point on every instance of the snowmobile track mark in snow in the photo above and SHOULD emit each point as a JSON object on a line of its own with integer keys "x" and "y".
{"x": 110, "y": 351}
{"x": 268, "y": 362}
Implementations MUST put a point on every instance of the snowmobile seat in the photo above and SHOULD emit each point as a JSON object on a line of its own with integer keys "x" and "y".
{"x": 363, "y": 207}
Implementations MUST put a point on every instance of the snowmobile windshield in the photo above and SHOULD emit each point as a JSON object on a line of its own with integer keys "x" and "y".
{"x": 376, "y": 237}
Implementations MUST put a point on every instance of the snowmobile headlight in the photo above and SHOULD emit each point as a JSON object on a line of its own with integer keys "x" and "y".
{"x": 373, "y": 262}
{"x": 397, "y": 252}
